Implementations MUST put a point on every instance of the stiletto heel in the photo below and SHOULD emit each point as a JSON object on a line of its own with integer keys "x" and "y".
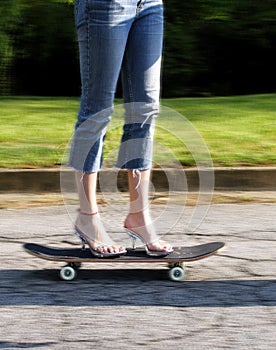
{"x": 97, "y": 252}
{"x": 134, "y": 236}
{"x": 82, "y": 239}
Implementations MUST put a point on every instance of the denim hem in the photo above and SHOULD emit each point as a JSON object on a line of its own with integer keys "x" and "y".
{"x": 84, "y": 171}
{"x": 129, "y": 168}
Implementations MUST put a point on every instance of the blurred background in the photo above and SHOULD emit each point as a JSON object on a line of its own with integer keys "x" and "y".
{"x": 212, "y": 48}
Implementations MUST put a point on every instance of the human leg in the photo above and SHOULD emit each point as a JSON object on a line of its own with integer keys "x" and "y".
{"x": 141, "y": 86}
{"x": 138, "y": 222}
{"x": 88, "y": 225}
{"x": 102, "y": 34}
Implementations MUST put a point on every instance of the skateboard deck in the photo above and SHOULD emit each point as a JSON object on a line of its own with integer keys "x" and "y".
{"x": 75, "y": 256}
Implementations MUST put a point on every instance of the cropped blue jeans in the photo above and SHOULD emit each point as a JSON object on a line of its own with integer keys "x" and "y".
{"x": 117, "y": 37}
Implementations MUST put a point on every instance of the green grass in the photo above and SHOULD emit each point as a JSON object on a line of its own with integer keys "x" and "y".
{"x": 35, "y": 131}
{"x": 238, "y": 131}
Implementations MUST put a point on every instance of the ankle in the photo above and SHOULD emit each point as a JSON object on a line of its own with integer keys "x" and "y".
{"x": 88, "y": 221}
{"x": 131, "y": 219}
{"x": 138, "y": 220}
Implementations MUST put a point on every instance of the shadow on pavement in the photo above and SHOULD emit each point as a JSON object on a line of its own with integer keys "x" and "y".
{"x": 130, "y": 287}
{"x": 22, "y": 345}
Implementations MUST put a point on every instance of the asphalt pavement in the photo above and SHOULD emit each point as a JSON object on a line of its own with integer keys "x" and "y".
{"x": 227, "y": 301}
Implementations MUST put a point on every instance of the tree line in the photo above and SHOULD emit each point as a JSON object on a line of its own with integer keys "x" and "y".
{"x": 211, "y": 47}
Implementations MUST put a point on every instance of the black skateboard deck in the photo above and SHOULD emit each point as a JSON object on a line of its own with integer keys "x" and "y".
{"x": 74, "y": 257}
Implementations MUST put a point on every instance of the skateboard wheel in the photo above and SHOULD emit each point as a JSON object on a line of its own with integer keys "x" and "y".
{"x": 67, "y": 273}
{"x": 177, "y": 273}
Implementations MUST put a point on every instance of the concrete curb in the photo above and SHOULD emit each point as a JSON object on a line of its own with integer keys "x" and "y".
{"x": 225, "y": 179}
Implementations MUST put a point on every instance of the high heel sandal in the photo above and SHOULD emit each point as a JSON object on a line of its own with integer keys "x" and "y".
{"x": 134, "y": 236}
{"x": 97, "y": 252}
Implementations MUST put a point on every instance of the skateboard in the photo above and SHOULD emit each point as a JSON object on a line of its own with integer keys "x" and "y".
{"x": 74, "y": 257}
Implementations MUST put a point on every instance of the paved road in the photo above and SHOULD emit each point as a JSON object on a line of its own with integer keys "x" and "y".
{"x": 227, "y": 301}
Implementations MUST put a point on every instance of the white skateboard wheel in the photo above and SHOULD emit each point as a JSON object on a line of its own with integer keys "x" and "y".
{"x": 177, "y": 273}
{"x": 67, "y": 273}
